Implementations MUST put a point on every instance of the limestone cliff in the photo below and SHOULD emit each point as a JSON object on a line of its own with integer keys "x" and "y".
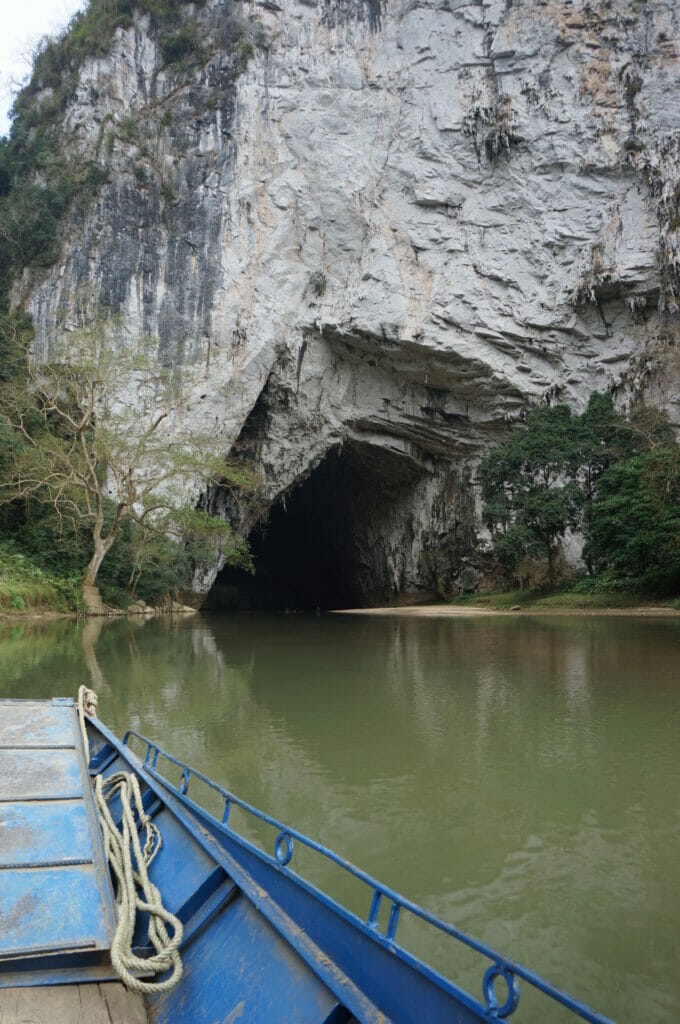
{"x": 377, "y": 233}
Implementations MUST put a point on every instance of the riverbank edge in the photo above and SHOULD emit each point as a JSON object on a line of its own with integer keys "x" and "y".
{"x": 52, "y": 615}
{"x": 539, "y": 604}
{"x": 447, "y": 610}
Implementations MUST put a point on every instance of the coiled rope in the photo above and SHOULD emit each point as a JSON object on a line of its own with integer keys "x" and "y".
{"x": 135, "y": 891}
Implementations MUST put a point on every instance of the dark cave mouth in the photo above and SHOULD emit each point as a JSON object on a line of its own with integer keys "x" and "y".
{"x": 321, "y": 546}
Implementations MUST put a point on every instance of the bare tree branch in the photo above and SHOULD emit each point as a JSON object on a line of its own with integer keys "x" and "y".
{"x": 97, "y": 429}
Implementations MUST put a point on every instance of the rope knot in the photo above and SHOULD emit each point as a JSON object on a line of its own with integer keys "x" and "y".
{"x": 88, "y": 700}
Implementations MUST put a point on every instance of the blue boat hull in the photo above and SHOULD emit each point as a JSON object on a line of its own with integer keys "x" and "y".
{"x": 261, "y": 944}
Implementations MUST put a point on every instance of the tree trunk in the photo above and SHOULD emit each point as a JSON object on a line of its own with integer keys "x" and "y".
{"x": 551, "y": 567}
{"x": 92, "y": 600}
{"x": 91, "y": 596}
{"x": 95, "y": 562}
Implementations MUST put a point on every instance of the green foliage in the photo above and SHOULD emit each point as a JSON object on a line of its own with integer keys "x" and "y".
{"x": 39, "y": 179}
{"x": 29, "y": 216}
{"x": 16, "y": 335}
{"x": 615, "y": 479}
{"x": 603, "y": 439}
{"x": 208, "y": 536}
{"x": 180, "y": 45}
{"x": 89, "y": 34}
{"x": 244, "y": 51}
{"x": 167, "y": 194}
{"x": 141, "y": 563}
{"x": 530, "y": 497}
{"x": 633, "y": 524}
{"x": 26, "y": 586}
{"x": 262, "y": 40}
{"x": 32, "y": 207}
{"x": 318, "y": 282}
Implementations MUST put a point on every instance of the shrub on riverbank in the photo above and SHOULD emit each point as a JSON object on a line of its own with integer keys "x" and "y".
{"x": 43, "y": 550}
{"x": 26, "y": 587}
{"x": 41, "y": 569}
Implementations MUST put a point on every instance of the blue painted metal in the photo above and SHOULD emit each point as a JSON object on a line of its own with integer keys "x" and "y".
{"x": 261, "y": 943}
{"x": 55, "y": 910}
{"x": 56, "y": 901}
{"x": 50, "y": 774}
{"x": 34, "y": 832}
{"x": 501, "y": 966}
{"x": 241, "y": 969}
{"x": 50, "y": 724}
{"x": 362, "y": 965}
{"x": 511, "y": 1002}
{"x": 283, "y": 848}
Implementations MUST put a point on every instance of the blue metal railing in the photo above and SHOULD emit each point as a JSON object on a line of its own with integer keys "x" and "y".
{"x": 284, "y": 847}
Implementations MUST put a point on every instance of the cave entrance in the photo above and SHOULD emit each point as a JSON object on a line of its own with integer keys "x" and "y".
{"x": 323, "y": 545}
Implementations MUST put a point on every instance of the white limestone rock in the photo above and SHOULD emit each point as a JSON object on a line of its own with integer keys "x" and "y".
{"x": 397, "y": 228}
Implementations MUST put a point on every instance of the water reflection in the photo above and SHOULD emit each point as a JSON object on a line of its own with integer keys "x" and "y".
{"x": 518, "y": 776}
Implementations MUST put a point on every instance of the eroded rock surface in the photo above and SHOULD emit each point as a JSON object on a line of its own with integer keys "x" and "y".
{"x": 390, "y": 229}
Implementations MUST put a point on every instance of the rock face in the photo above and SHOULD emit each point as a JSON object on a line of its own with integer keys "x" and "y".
{"x": 372, "y": 235}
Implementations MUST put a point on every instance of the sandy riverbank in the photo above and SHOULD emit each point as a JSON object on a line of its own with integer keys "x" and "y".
{"x": 454, "y": 611}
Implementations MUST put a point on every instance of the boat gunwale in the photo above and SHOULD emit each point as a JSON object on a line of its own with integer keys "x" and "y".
{"x": 336, "y": 980}
{"x": 499, "y": 963}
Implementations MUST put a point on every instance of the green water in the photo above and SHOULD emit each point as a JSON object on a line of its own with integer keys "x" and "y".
{"x": 517, "y": 776}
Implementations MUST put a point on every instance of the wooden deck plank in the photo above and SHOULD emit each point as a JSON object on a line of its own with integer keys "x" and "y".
{"x": 107, "y": 1003}
{"x": 124, "y": 1007}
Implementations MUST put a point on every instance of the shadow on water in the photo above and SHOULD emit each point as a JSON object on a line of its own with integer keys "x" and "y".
{"x": 517, "y": 776}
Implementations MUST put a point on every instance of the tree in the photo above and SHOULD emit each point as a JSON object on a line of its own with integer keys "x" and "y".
{"x": 96, "y": 434}
{"x": 529, "y": 487}
{"x": 604, "y": 438}
{"x": 614, "y": 478}
{"x": 633, "y": 524}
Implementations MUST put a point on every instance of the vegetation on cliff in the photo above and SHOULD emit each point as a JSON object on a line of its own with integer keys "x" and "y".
{"x": 42, "y": 175}
{"x": 54, "y": 449}
{"x": 615, "y": 480}
{"x": 40, "y": 178}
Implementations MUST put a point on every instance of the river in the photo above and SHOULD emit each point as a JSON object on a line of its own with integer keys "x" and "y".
{"x": 519, "y": 776}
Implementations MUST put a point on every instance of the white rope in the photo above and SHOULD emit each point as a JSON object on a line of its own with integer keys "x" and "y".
{"x": 135, "y": 891}
{"x": 119, "y": 846}
{"x": 87, "y": 705}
